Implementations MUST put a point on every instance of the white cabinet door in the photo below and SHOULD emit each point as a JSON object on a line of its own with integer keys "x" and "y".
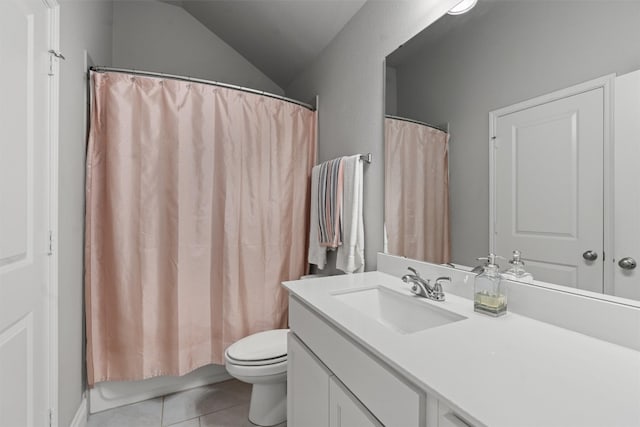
{"x": 24, "y": 213}
{"x": 627, "y": 186}
{"x": 548, "y": 187}
{"x": 345, "y": 410}
{"x": 307, "y": 387}
{"x": 381, "y": 390}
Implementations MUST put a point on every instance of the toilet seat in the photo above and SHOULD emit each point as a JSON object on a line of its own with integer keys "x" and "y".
{"x": 263, "y": 348}
{"x": 255, "y": 373}
{"x": 263, "y": 362}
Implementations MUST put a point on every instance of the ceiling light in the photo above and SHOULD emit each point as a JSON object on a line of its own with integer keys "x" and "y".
{"x": 463, "y": 7}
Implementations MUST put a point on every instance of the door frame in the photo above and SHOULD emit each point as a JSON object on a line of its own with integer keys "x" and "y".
{"x": 607, "y": 84}
{"x": 53, "y": 108}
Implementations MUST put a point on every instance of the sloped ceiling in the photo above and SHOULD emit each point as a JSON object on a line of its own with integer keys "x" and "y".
{"x": 436, "y": 32}
{"x": 280, "y": 37}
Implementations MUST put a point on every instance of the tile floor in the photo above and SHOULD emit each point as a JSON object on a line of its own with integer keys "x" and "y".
{"x": 224, "y": 404}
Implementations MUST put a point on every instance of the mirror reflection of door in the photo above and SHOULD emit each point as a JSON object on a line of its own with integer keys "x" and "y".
{"x": 548, "y": 176}
{"x": 626, "y": 193}
{"x": 461, "y": 68}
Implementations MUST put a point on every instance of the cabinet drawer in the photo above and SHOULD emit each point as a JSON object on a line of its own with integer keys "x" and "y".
{"x": 390, "y": 399}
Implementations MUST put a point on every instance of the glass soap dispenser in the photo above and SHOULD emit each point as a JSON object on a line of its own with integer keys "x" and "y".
{"x": 490, "y": 295}
{"x": 516, "y": 271}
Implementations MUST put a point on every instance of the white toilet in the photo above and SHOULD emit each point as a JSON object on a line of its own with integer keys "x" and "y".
{"x": 261, "y": 359}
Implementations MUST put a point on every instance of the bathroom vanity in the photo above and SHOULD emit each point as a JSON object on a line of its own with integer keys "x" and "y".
{"x": 364, "y": 351}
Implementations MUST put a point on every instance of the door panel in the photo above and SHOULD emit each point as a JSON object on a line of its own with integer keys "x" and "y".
{"x": 16, "y": 111}
{"x": 626, "y": 182}
{"x": 24, "y": 214}
{"x": 552, "y": 142}
{"x": 561, "y": 273}
{"x": 548, "y": 198}
{"x": 16, "y": 342}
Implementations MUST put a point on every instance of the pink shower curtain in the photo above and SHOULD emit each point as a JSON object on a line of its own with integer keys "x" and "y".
{"x": 197, "y": 209}
{"x": 417, "y": 191}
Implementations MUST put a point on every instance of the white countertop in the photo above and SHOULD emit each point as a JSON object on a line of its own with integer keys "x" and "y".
{"x": 506, "y": 371}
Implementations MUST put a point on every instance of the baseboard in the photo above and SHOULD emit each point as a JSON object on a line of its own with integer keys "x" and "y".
{"x": 81, "y": 416}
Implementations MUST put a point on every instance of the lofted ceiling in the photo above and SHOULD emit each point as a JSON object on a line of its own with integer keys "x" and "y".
{"x": 279, "y": 37}
{"x": 436, "y": 32}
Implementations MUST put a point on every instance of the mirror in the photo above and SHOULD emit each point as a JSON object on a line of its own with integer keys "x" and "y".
{"x": 501, "y": 54}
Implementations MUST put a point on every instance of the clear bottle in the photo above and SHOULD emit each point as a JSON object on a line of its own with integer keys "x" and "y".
{"x": 490, "y": 296}
{"x": 516, "y": 271}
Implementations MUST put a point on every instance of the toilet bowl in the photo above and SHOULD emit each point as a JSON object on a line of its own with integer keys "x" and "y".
{"x": 261, "y": 360}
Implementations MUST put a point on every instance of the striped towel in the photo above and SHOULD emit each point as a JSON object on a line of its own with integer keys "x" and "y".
{"x": 330, "y": 188}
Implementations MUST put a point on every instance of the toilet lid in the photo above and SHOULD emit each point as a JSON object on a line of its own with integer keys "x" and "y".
{"x": 264, "y": 346}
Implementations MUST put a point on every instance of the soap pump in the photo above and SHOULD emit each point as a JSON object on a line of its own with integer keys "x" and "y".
{"x": 490, "y": 295}
{"x": 516, "y": 271}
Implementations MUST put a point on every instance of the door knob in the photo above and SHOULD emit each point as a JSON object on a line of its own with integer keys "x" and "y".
{"x": 627, "y": 263}
{"x": 590, "y": 255}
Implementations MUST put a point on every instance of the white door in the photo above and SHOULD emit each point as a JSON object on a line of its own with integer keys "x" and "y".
{"x": 548, "y": 171}
{"x": 627, "y": 187}
{"x": 24, "y": 214}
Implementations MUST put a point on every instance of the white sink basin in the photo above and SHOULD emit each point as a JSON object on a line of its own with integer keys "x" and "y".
{"x": 400, "y": 313}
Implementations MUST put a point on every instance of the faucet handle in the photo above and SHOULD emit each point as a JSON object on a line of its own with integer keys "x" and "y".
{"x": 443, "y": 278}
{"x": 438, "y": 293}
{"x": 413, "y": 270}
{"x": 437, "y": 287}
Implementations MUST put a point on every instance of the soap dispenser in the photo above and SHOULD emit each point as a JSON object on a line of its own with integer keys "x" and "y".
{"x": 490, "y": 295}
{"x": 516, "y": 271}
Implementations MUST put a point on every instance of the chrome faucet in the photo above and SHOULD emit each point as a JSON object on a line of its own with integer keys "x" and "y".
{"x": 422, "y": 288}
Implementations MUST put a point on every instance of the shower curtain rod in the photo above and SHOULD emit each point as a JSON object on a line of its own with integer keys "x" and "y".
{"x": 404, "y": 119}
{"x": 101, "y": 69}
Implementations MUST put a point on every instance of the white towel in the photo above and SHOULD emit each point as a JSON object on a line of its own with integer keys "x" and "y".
{"x": 350, "y": 257}
{"x": 317, "y": 254}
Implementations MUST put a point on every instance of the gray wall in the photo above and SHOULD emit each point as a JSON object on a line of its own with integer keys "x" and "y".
{"x": 391, "y": 91}
{"x": 155, "y": 36}
{"x": 515, "y": 51}
{"x": 348, "y": 77}
{"x": 83, "y": 26}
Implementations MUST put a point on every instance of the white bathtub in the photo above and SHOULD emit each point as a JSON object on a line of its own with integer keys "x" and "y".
{"x": 110, "y": 394}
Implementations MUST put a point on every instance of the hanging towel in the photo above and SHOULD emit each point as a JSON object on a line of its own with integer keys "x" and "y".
{"x": 325, "y": 225}
{"x": 330, "y": 185}
{"x": 317, "y": 253}
{"x": 350, "y": 257}
{"x": 329, "y": 199}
